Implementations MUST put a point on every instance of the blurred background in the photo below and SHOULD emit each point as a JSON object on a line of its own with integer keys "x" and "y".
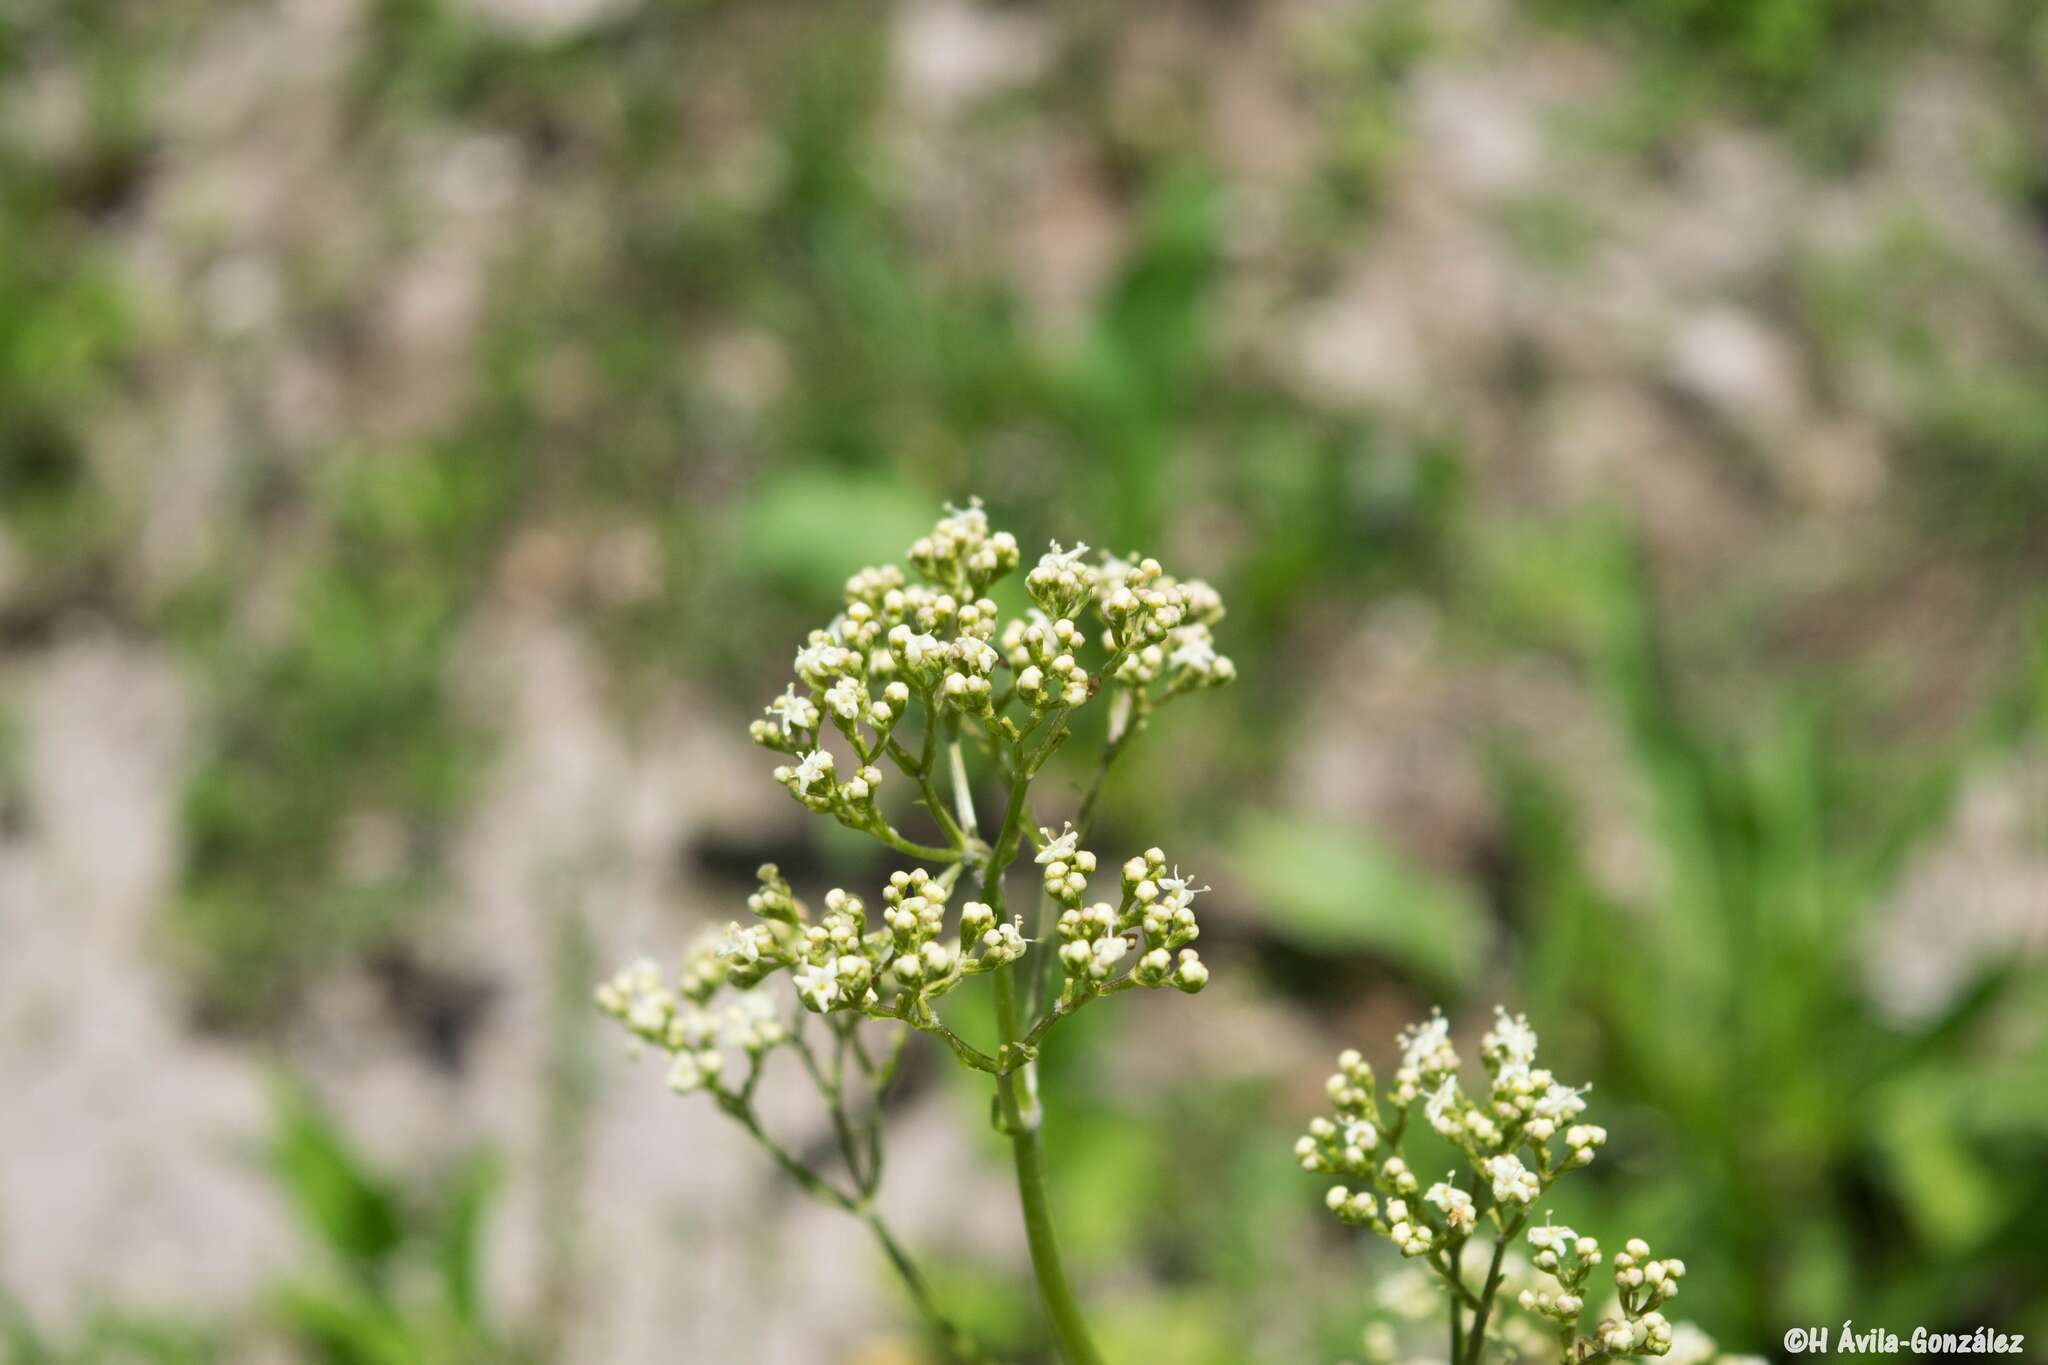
{"x": 1619, "y": 428}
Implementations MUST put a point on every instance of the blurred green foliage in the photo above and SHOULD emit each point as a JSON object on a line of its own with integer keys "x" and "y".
{"x": 1738, "y": 1009}
{"x": 402, "y": 1281}
{"x": 106, "y": 1338}
{"x": 346, "y": 716}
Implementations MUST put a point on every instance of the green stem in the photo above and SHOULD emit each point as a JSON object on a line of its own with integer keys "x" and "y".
{"x": 926, "y": 853}
{"x": 1061, "y": 1307}
{"x": 1017, "y": 1098}
{"x": 961, "y": 795}
{"x": 1445, "y": 1268}
{"x": 810, "y": 1181}
{"x": 956, "y": 1342}
{"x": 842, "y": 1128}
{"x": 1477, "y": 1342}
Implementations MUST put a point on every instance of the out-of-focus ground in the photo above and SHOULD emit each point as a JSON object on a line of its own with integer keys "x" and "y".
{"x": 428, "y": 425}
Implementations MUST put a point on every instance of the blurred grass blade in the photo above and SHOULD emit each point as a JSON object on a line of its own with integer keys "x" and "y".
{"x": 1326, "y": 887}
{"x": 333, "y": 1189}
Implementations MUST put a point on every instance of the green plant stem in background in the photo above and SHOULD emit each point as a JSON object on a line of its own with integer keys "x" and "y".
{"x": 740, "y": 1107}
{"x": 956, "y": 1341}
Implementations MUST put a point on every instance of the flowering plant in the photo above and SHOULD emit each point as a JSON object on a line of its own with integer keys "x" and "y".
{"x": 1504, "y": 1135}
{"x": 916, "y": 673}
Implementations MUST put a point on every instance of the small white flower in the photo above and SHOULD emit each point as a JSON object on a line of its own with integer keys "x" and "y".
{"x": 739, "y": 945}
{"x": 1512, "y": 1040}
{"x": 819, "y": 985}
{"x": 1513, "y": 1183}
{"x": 1108, "y": 951}
{"x": 1004, "y": 943}
{"x": 1195, "y": 651}
{"x": 812, "y": 766}
{"x": 846, "y": 698}
{"x": 750, "y": 1022}
{"x": 692, "y": 1071}
{"x": 792, "y": 712}
{"x": 1442, "y": 1108}
{"x": 1555, "y": 1239}
{"x": 1456, "y": 1204}
{"x": 1060, "y": 849}
{"x": 1174, "y": 891}
{"x": 1559, "y": 1103}
{"x": 1427, "y": 1046}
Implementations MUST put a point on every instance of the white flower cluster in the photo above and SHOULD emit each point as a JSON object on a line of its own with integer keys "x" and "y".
{"x": 1569, "y": 1259}
{"x": 680, "y": 1023}
{"x": 1637, "y": 1327}
{"x": 1506, "y": 1140}
{"x": 932, "y": 642}
{"x": 838, "y": 962}
{"x": 1154, "y": 919}
{"x": 917, "y": 672}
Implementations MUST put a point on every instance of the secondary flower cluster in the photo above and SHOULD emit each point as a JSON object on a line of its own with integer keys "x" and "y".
{"x": 1154, "y": 918}
{"x": 1642, "y": 1285}
{"x": 680, "y": 1022}
{"x": 1516, "y": 1136}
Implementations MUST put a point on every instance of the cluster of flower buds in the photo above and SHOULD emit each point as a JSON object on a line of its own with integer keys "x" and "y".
{"x": 835, "y": 967}
{"x": 1063, "y": 581}
{"x": 962, "y": 554}
{"x": 813, "y": 781}
{"x": 899, "y": 643}
{"x": 1155, "y": 919}
{"x": 1567, "y": 1258}
{"x": 1162, "y": 627}
{"x": 1346, "y": 1143}
{"x": 1140, "y": 604}
{"x": 915, "y": 914}
{"x": 678, "y": 1021}
{"x": 1044, "y": 653}
{"x": 1644, "y": 1285}
{"x": 917, "y": 671}
{"x": 987, "y": 944}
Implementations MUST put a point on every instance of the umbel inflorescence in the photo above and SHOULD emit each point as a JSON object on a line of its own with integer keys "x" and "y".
{"x": 1515, "y": 1136}
{"x": 917, "y": 675}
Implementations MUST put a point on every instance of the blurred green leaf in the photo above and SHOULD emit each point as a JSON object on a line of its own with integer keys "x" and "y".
{"x": 348, "y": 1329}
{"x": 1334, "y": 888}
{"x": 813, "y": 527}
{"x": 461, "y": 1237}
{"x": 1954, "y": 1202}
{"x": 353, "y": 1212}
